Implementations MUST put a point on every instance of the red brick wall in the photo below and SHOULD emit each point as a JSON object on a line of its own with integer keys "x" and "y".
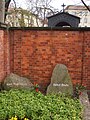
{"x": 4, "y": 55}
{"x": 86, "y": 58}
{"x": 1, "y": 55}
{"x": 7, "y": 51}
{"x": 34, "y": 54}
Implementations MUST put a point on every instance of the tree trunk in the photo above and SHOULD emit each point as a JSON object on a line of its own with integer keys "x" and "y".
{"x": 2, "y": 10}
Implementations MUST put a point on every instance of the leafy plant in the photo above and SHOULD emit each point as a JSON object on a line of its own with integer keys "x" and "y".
{"x": 78, "y": 89}
{"x": 36, "y": 87}
{"x": 32, "y": 105}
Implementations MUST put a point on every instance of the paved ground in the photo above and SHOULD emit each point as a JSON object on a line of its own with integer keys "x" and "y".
{"x": 85, "y": 101}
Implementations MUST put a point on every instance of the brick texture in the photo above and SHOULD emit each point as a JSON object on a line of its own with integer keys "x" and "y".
{"x": 86, "y": 59}
{"x": 4, "y": 55}
{"x": 35, "y": 53}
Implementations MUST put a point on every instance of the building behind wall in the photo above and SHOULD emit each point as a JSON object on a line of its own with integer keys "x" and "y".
{"x": 19, "y": 17}
{"x": 80, "y": 11}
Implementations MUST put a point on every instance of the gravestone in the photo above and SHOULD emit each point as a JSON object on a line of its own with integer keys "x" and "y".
{"x": 17, "y": 82}
{"x": 60, "y": 81}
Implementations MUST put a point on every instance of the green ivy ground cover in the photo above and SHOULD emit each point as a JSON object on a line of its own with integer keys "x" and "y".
{"x": 36, "y": 106}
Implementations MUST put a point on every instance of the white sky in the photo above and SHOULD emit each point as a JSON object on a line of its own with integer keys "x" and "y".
{"x": 55, "y": 3}
{"x": 58, "y": 3}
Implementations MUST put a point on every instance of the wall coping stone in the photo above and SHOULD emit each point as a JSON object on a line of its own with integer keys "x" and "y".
{"x": 49, "y": 28}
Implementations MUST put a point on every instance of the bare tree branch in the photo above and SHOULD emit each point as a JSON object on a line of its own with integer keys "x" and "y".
{"x": 85, "y": 5}
{"x": 41, "y": 8}
{"x": 7, "y": 2}
{"x": 14, "y": 3}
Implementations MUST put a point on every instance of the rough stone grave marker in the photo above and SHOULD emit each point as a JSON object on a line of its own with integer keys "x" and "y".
{"x": 17, "y": 82}
{"x": 60, "y": 81}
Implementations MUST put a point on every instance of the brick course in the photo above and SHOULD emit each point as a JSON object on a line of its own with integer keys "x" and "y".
{"x": 34, "y": 54}
{"x": 4, "y": 55}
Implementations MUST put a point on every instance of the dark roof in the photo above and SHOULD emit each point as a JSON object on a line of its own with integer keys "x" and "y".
{"x": 64, "y": 14}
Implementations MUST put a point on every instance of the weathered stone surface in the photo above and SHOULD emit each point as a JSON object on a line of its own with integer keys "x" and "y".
{"x": 86, "y": 104}
{"x": 17, "y": 82}
{"x": 60, "y": 81}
